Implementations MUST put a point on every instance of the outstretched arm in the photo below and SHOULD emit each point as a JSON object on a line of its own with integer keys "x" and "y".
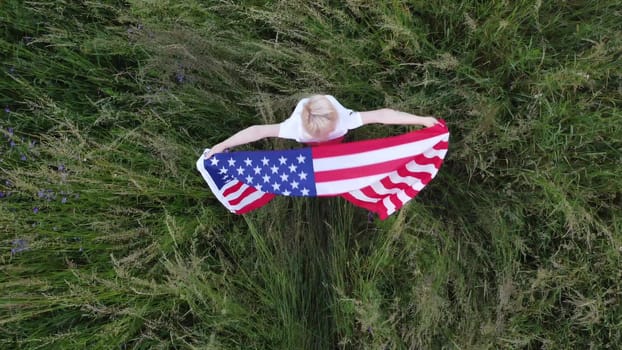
{"x": 391, "y": 116}
{"x": 248, "y": 135}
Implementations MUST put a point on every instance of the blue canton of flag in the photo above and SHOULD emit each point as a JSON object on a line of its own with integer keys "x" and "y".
{"x": 286, "y": 172}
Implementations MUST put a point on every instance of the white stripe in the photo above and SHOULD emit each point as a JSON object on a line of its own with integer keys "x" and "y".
{"x": 234, "y": 195}
{"x": 411, "y": 181}
{"x": 248, "y": 200}
{"x": 431, "y": 153}
{"x": 228, "y": 185}
{"x": 343, "y": 186}
{"x": 403, "y": 197}
{"x": 415, "y": 167}
{"x": 377, "y": 156}
{"x": 388, "y": 205}
{"x": 379, "y": 189}
{"x": 362, "y": 197}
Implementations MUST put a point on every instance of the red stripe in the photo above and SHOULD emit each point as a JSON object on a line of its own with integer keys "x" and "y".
{"x": 378, "y": 207}
{"x": 247, "y": 192}
{"x": 423, "y": 176}
{"x": 389, "y": 185}
{"x": 233, "y": 188}
{"x": 375, "y": 207}
{"x": 369, "y": 192}
{"x": 376, "y": 144}
{"x": 360, "y": 171}
{"x": 423, "y": 160}
{"x": 441, "y": 145}
{"x": 411, "y": 192}
{"x": 260, "y": 202}
{"x": 396, "y": 202}
{"x": 382, "y": 212}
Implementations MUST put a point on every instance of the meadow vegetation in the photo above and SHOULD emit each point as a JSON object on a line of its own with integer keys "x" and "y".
{"x": 111, "y": 239}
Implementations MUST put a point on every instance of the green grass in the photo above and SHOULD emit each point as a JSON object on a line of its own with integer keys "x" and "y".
{"x": 110, "y": 238}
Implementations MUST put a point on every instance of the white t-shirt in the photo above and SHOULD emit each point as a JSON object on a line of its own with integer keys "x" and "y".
{"x": 292, "y": 127}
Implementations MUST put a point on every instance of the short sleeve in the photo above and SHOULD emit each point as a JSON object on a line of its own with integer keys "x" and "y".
{"x": 348, "y": 119}
{"x": 292, "y": 126}
{"x": 288, "y": 129}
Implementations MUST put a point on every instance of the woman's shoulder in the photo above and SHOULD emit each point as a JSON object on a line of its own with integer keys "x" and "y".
{"x": 335, "y": 102}
{"x": 332, "y": 99}
{"x": 300, "y": 105}
{"x": 295, "y": 116}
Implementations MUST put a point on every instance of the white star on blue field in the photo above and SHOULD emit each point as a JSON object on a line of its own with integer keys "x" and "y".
{"x": 287, "y": 172}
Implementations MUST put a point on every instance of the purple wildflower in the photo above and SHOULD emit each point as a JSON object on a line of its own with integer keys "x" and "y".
{"x": 23, "y": 157}
{"x": 40, "y": 194}
{"x": 64, "y": 200}
{"x": 61, "y": 167}
{"x": 12, "y": 144}
{"x": 1, "y": 194}
{"x": 19, "y": 245}
{"x": 18, "y": 250}
{"x": 370, "y": 217}
{"x": 10, "y": 130}
{"x": 180, "y": 77}
{"x": 35, "y": 210}
{"x": 7, "y": 109}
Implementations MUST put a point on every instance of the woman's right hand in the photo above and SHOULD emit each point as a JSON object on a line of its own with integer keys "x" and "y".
{"x": 218, "y": 148}
{"x": 429, "y": 121}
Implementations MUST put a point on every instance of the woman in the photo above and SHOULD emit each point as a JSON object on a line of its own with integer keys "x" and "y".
{"x": 319, "y": 119}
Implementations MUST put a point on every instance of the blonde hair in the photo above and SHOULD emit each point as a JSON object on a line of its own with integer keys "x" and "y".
{"x": 319, "y": 116}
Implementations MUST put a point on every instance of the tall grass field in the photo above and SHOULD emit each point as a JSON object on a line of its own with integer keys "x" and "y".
{"x": 110, "y": 238}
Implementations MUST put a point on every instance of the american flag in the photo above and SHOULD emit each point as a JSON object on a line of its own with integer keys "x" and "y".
{"x": 380, "y": 175}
